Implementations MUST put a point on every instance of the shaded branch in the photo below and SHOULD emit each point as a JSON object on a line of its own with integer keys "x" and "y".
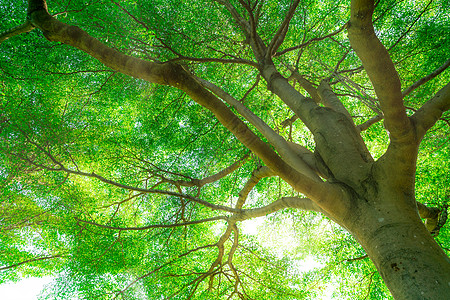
{"x": 427, "y": 78}
{"x": 25, "y": 27}
{"x": 370, "y": 122}
{"x": 245, "y": 27}
{"x": 310, "y": 41}
{"x": 221, "y": 251}
{"x": 427, "y": 115}
{"x": 61, "y": 168}
{"x": 434, "y": 217}
{"x": 357, "y": 258}
{"x": 160, "y": 267}
{"x": 213, "y": 178}
{"x": 410, "y": 26}
{"x": 282, "y": 30}
{"x": 426, "y": 212}
{"x": 256, "y": 43}
{"x": 155, "y": 226}
{"x": 361, "y": 94}
{"x": 218, "y": 60}
{"x": 289, "y": 122}
{"x": 30, "y": 261}
{"x": 234, "y": 246}
{"x": 153, "y": 191}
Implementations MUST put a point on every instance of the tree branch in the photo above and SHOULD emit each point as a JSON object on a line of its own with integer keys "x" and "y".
{"x": 285, "y": 202}
{"x": 25, "y": 27}
{"x": 160, "y": 267}
{"x": 282, "y": 31}
{"x": 279, "y": 53}
{"x": 274, "y": 138}
{"x": 426, "y": 212}
{"x": 213, "y": 178}
{"x": 426, "y": 116}
{"x": 434, "y": 217}
{"x": 410, "y": 26}
{"x": 256, "y": 176}
{"x": 357, "y": 258}
{"x": 61, "y": 168}
{"x": 152, "y": 191}
{"x": 156, "y": 225}
{"x": 230, "y": 258}
{"x": 30, "y": 261}
{"x": 365, "y": 98}
{"x": 370, "y": 122}
{"x": 176, "y": 76}
{"x": 380, "y": 68}
{"x": 427, "y": 78}
{"x": 218, "y": 60}
{"x": 236, "y": 16}
{"x": 329, "y": 99}
{"x": 312, "y": 91}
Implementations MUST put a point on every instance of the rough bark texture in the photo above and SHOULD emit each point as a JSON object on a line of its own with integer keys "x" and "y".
{"x": 409, "y": 260}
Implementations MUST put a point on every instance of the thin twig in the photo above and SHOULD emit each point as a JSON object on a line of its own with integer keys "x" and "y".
{"x": 29, "y": 261}
{"x": 427, "y": 78}
{"x": 156, "y": 225}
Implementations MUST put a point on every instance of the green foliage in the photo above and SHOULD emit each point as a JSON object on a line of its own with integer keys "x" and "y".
{"x": 60, "y": 107}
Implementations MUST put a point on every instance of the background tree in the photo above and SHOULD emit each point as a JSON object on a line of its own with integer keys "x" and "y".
{"x": 118, "y": 183}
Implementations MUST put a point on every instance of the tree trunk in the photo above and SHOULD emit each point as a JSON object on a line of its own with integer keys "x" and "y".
{"x": 411, "y": 263}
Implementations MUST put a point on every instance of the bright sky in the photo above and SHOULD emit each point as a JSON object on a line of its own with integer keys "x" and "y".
{"x": 26, "y": 289}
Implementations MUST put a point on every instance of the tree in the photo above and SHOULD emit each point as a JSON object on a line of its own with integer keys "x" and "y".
{"x": 132, "y": 133}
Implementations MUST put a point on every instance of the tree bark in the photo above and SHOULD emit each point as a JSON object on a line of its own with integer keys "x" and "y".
{"x": 409, "y": 260}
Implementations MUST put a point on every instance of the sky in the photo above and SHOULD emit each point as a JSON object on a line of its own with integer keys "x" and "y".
{"x": 26, "y": 289}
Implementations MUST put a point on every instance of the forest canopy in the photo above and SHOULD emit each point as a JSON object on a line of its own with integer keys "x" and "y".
{"x": 227, "y": 149}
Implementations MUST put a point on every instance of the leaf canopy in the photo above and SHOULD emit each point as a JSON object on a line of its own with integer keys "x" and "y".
{"x": 67, "y": 122}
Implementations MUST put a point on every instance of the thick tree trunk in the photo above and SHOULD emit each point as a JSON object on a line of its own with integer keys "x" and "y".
{"x": 411, "y": 263}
